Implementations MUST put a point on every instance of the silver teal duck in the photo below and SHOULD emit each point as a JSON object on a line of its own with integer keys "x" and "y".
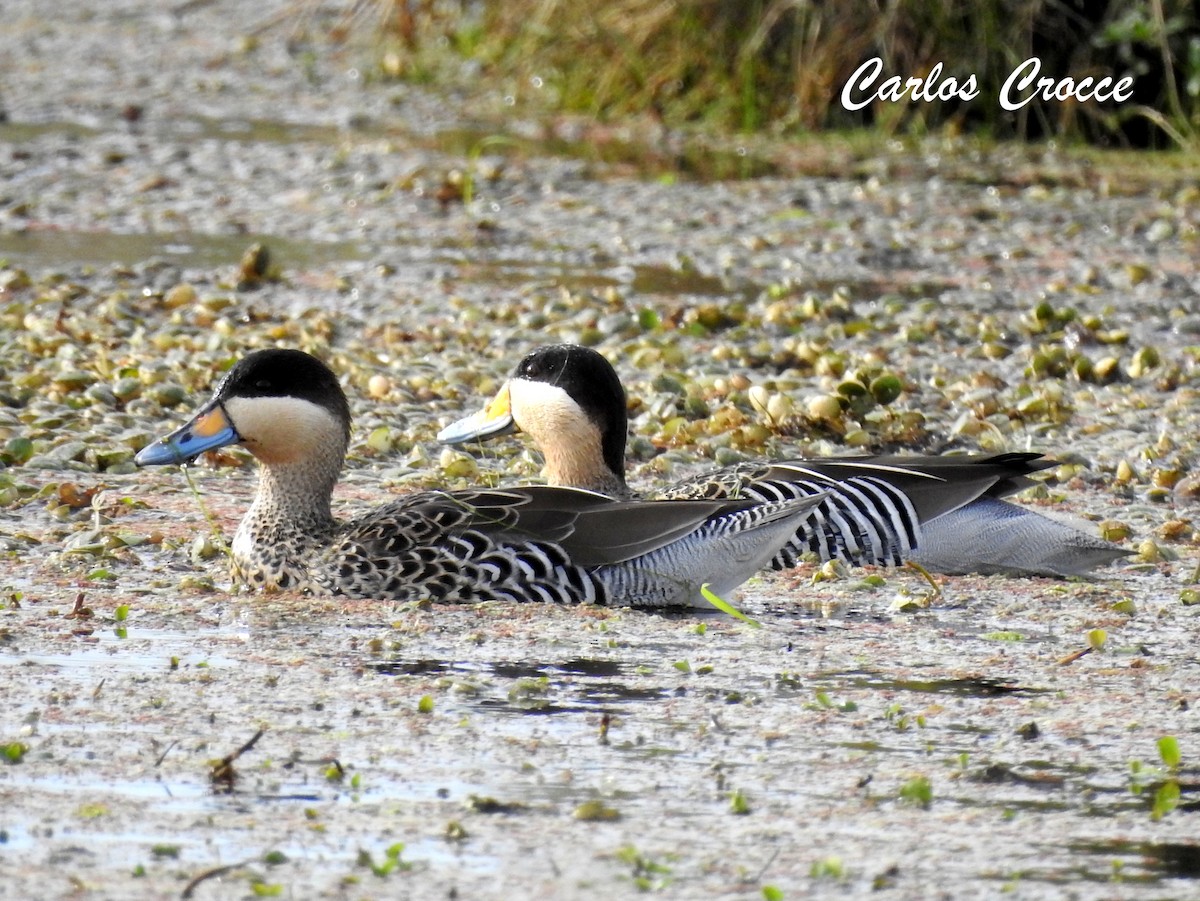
{"x": 944, "y": 512}
{"x": 537, "y": 543}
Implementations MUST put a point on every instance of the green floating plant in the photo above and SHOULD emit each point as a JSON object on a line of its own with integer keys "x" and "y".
{"x": 390, "y": 863}
{"x": 917, "y": 791}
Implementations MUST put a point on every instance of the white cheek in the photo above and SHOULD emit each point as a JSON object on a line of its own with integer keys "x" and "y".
{"x": 568, "y": 440}
{"x": 282, "y": 429}
{"x": 545, "y": 411}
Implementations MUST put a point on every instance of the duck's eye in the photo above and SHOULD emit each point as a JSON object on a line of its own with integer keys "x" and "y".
{"x": 263, "y": 384}
{"x": 532, "y": 368}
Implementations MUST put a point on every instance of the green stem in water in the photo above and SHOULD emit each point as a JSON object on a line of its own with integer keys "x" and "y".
{"x": 725, "y": 607}
{"x": 214, "y": 528}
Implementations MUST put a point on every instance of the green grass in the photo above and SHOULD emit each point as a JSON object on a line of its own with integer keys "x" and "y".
{"x": 778, "y": 66}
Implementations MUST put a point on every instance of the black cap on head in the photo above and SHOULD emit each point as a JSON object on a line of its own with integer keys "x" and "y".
{"x": 282, "y": 372}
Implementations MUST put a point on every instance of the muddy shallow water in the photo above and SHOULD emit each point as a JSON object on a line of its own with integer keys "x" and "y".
{"x": 864, "y": 742}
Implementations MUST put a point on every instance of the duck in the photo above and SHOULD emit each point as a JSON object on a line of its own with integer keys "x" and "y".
{"x": 538, "y": 543}
{"x": 945, "y": 513}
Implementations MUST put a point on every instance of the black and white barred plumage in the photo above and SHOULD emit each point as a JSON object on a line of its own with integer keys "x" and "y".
{"x": 544, "y": 544}
{"x": 944, "y": 512}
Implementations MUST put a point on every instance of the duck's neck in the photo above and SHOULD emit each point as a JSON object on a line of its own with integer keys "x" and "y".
{"x": 288, "y": 522}
{"x": 578, "y": 462}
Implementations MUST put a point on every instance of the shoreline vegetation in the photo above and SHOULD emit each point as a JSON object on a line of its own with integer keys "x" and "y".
{"x": 777, "y": 68}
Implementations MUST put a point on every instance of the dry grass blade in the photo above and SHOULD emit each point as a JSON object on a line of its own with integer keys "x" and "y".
{"x": 223, "y": 774}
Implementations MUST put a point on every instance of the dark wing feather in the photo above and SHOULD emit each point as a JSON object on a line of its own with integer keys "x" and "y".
{"x": 936, "y": 485}
{"x": 627, "y": 529}
{"x": 592, "y": 529}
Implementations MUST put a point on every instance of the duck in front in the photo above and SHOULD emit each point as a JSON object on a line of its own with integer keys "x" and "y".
{"x": 942, "y": 512}
{"x": 537, "y": 543}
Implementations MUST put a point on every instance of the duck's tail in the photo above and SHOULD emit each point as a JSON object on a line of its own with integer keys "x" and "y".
{"x": 994, "y": 536}
{"x": 944, "y": 513}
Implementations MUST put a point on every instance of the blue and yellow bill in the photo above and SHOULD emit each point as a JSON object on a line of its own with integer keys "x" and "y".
{"x": 207, "y": 430}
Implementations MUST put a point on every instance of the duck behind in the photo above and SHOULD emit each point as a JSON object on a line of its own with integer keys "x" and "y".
{"x": 944, "y": 512}
{"x": 523, "y": 544}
